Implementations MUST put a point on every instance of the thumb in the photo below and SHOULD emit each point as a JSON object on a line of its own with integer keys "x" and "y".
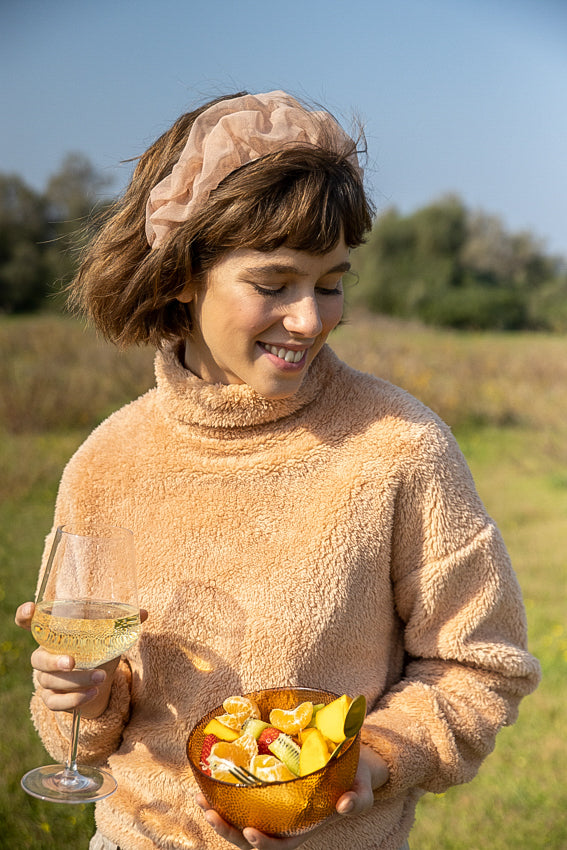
{"x": 24, "y": 615}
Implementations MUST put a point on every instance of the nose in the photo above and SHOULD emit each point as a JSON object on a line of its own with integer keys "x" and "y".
{"x": 303, "y": 317}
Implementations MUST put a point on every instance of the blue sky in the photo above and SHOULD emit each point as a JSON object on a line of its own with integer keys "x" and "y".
{"x": 465, "y": 96}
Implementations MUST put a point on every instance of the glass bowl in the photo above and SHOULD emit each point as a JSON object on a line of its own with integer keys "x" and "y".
{"x": 278, "y": 808}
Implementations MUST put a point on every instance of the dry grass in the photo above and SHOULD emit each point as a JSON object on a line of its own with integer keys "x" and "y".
{"x": 57, "y": 375}
{"x": 479, "y": 379}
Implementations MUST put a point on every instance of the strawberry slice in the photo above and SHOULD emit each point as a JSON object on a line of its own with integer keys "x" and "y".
{"x": 267, "y": 736}
{"x": 208, "y": 742}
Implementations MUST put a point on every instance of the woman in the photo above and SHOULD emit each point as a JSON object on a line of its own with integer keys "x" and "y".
{"x": 297, "y": 522}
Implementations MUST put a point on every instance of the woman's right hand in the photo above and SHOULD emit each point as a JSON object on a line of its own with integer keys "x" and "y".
{"x": 60, "y": 686}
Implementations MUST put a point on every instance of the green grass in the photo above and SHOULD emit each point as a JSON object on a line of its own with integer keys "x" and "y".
{"x": 505, "y": 396}
{"x": 518, "y": 798}
{"x": 30, "y": 467}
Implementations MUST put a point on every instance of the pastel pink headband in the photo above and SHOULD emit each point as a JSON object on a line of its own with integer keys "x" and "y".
{"x": 226, "y": 136}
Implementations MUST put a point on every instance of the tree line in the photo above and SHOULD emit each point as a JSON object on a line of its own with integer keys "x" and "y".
{"x": 42, "y": 233}
{"x": 450, "y": 266}
{"x": 443, "y": 264}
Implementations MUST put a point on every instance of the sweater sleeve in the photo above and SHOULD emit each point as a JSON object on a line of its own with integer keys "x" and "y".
{"x": 465, "y": 636}
{"x": 99, "y": 737}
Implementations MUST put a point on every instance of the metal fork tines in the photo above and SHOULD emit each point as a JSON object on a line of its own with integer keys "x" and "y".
{"x": 244, "y": 776}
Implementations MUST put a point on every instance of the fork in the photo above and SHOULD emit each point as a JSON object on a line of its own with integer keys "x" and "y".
{"x": 244, "y": 776}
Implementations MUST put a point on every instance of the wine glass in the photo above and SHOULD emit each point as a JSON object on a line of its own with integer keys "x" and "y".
{"x": 86, "y": 607}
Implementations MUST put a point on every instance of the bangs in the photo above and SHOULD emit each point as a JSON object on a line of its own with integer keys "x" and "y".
{"x": 303, "y": 198}
{"x": 309, "y": 215}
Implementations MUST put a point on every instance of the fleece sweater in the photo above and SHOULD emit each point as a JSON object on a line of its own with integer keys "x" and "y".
{"x": 333, "y": 540}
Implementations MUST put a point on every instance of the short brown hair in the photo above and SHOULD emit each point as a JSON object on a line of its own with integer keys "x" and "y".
{"x": 303, "y": 196}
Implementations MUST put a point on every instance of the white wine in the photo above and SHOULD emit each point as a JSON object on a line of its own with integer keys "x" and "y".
{"x": 92, "y": 631}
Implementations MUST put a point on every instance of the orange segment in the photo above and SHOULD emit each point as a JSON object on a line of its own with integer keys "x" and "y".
{"x": 293, "y": 721}
{"x": 230, "y": 720}
{"x": 232, "y": 752}
{"x": 223, "y": 755}
{"x": 270, "y": 769}
{"x": 249, "y": 744}
{"x": 241, "y": 707}
{"x": 219, "y": 771}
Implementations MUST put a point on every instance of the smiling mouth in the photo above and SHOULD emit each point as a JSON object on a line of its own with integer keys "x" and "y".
{"x": 286, "y": 354}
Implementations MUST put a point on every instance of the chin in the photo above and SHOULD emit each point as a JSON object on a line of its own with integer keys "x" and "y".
{"x": 277, "y": 395}
{"x": 279, "y": 392}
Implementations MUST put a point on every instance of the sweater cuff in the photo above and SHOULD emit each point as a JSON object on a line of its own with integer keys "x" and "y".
{"x": 99, "y": 737}
{"x": 405, "y": 747}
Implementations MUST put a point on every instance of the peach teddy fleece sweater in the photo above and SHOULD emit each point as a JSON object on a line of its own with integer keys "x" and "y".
{"x": 333, "y": 539}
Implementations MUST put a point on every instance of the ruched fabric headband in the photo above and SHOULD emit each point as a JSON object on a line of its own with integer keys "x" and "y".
{"x": 225, "y": 137}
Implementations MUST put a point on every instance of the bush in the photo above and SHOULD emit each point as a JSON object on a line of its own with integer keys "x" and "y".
{"x": 448, "y": 266}
{"x": 475, "y": 308}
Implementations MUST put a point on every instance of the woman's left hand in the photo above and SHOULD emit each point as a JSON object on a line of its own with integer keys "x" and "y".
{"x": 371, "y": 774}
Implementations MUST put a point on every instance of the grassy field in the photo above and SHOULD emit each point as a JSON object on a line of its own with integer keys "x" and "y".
{"x": 506, "y": 398}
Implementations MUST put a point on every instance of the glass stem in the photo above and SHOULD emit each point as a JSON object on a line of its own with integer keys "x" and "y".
{"x": 71, "y": 765}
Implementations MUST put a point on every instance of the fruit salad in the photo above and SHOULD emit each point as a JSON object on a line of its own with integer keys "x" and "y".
{"x": 290, "y": 743}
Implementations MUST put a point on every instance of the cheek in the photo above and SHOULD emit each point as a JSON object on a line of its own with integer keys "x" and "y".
{"x": 331, "y": 314}
{"x": 250, "y": 317}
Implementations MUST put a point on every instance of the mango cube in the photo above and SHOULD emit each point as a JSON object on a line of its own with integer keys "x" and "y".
{"x": 314, "y": 753}
{"x": 224, "y": 733}
{"x": 330, "y": 720}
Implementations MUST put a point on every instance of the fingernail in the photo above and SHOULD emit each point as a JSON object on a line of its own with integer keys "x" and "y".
{"x": 98, "y": 677}
{"x": 64, "y": 663}
{"x": 92, "y": 693}
{"x": 346, "y": 808}
{"x": 251, "y": 838}
{"x": 27, "y": 609}
{"x": 210, "y": 818}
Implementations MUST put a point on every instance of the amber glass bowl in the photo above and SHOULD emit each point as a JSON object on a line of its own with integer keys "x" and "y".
{"x": 278, "y": 808}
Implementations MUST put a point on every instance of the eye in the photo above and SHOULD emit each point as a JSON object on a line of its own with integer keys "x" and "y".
{"x": 322, "y": 290}
{"x": 332, "y": 290}
{"x": 268, "y": 291}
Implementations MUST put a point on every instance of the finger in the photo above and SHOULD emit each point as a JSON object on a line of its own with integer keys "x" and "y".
{"x": 24, "y": 615}
{"x": 266, "y": 842}
{"x": 359, "y": 799}
{"x": 202, "y": 801}
{"x": 68, "y": 700}
{"x": 76, "y": 680}
{"x": 249, "y": 836}
{"x": 49, "y": 662}
{"x": 225, "y": 830}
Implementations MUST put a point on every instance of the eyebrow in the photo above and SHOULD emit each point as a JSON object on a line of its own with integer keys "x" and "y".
{"x": 288, "y": 268}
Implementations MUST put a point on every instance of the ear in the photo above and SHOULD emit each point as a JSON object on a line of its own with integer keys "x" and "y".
{"x": 188, "y": 293}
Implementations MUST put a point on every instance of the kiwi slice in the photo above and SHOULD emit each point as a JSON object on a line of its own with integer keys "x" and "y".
{"x": 254, "y": 726}
{"x": 286, "y": 750}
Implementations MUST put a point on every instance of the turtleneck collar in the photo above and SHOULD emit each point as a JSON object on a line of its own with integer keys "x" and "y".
{"x": 191, "y": 401}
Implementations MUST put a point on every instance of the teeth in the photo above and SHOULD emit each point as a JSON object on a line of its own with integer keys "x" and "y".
{"x": 285, "y": 353}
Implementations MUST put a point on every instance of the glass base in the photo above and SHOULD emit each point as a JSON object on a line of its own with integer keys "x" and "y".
{"x": 57, "y": 783}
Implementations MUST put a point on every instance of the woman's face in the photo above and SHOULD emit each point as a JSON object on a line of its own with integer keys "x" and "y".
{"x": 261, "y": 318}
